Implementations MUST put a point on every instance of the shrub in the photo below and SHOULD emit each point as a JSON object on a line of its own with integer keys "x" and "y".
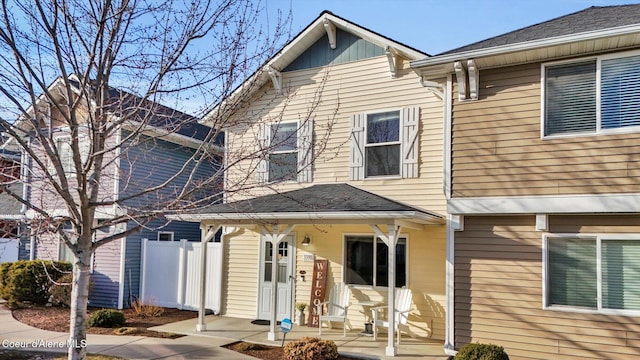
{"x": 477, "y": 351}
{"x": 106, "y": 318}
{"x": 150, "y": 309}
{"x": 29, "y": 281}
{"x": 311, "y": 349}
{"x": 61, "y": 290}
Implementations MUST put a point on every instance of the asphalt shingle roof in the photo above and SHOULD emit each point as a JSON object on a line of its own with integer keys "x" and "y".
{"x": 590, "y": 19}
{"x": 321, "y": 198}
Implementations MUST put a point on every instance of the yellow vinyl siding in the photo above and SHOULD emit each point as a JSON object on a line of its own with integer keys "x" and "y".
{"x": 240, "y": 280}
{"x": 498, "y": 292}
{"x": 346, "y": 89}
{"x": 497, "y": 150}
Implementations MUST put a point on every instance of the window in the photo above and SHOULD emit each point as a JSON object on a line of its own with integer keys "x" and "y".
{"x": 286, "y": 151}
{"x": 384, "y": 144}
{"x": 64, "y": 152}
{"x": 283, "y": 159}
{"x": 596, "y": 273}
{"x": 64, "y": 252}
{"x": 382, "y": 150}
{"x": 595, "y": 96}
{"x": 366, "y": 261}
{"x": 165, "y": 236}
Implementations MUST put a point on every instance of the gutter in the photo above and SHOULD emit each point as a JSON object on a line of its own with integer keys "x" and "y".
{"x": 527, "y": 45}
{"x": 338, "y": 215}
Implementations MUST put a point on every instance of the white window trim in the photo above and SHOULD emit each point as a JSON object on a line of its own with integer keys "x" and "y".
{"x": 374, "y": 237}
{"x": 272, "y": 151}
{"x": 58, "y": 141}
{"x": 599, "y": 237}
{"x": 367, "y": 145}
{"x": 599, "y": 130}
{"x": 165, "y": 233}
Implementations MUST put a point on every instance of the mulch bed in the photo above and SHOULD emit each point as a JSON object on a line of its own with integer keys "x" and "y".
{"x": 55, "y": 318}
{"x": 265, "y": 352}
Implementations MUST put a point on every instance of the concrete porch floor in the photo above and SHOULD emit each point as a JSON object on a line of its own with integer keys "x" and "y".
{"x": 354, "y": 344}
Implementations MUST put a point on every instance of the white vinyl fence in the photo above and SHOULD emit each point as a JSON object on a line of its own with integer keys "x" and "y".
{"x": 9, "y": 250}
{"x": 171, "y": 274}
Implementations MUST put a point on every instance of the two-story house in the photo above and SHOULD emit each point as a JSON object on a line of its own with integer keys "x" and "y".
{"x": 335, "y": 154}
{"x": 150, "y": 145}
{"x": 543, "y": 187}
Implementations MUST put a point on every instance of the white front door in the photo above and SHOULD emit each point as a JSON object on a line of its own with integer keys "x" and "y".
{"x": 285, "y": 262}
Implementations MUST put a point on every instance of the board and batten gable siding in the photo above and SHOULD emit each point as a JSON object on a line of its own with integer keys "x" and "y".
{"x": 498, "y": 292}
{"x": 497, "y": 149}
{"x": 346, "y": 89}
{"x": 349, "y": 47}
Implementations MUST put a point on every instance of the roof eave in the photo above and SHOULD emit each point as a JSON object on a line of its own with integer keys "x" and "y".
{"x": 443, "y": 63}
{"x": 315, "y": 217}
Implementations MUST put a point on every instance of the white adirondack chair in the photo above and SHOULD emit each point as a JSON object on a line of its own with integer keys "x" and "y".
{"x": 335, "y": 309}
{"x": 403, "y": 298}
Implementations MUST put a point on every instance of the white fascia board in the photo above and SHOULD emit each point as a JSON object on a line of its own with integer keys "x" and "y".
{"x": 551, "y": 204}
{"x": 527, "y": 45}
{"x": 169, "y": 136}
{"x": 313, "y": 217}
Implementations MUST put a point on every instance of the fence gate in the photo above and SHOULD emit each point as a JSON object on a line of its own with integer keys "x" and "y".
{"x": 9, "y": 250}
{"x": 171, "y": 274}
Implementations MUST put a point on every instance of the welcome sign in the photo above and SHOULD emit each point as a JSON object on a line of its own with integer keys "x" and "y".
{"x": 318, "y": 287}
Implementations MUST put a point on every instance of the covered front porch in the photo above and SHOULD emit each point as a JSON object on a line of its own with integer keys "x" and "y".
{"x": 354, "y": 344}
{"x": 371, "y": 243}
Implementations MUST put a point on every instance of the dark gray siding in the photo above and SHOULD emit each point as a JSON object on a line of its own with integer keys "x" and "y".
{"x": 145, "y": 164}
{"x": 106, "y": 275}
{"x": 348, "y": 48}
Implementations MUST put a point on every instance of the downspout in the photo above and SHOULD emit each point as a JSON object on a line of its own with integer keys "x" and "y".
{"x": 449, "y": 345}
{"x": 445, "y": 94}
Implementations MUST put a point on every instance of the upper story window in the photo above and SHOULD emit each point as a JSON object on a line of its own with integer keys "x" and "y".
{"x": 283, "y": 160}
{"x": 382, "y": 150}
{"x": 594, "y": 273}
{"x": 287, "y": 151}
{"x": 384, "y": 144}
{"x": 600, "y": 95}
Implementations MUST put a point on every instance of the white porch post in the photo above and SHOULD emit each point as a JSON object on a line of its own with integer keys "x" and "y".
{"x": 275, "y": 237}
{"x": 390, "y": 239}
{"x": 208, "y": 232}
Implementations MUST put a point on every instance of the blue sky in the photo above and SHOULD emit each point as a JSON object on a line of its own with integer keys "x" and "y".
{"x": 434, "y": 26}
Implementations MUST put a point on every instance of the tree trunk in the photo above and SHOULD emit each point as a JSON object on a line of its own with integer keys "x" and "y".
{"x": 79, "y": 299}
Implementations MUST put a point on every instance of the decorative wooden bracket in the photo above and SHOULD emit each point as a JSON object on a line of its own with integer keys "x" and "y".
{"x": 276, "y": 78}
{"x": 394, "y": 60}
{"x": 474, "y": 79}
{"x": 331, "y": 32}
{"x": 461, "y": 76}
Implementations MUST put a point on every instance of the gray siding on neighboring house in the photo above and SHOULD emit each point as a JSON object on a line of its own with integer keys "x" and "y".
{"x": 348, "y": 48}
{"x": 149, "y": 163}
{"x": 106, "y": 275}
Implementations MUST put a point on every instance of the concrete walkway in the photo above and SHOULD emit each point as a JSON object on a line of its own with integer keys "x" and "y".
{"x": 18, "y": 336}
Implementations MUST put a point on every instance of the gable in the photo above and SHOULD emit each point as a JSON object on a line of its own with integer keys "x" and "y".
{"x": 349, "y": 47}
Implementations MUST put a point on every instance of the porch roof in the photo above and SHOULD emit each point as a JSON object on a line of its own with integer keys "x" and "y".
{"x": 324, "y": 203}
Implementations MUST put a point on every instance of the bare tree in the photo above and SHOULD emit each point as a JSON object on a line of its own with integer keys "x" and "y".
{"x": 81, "y": 83}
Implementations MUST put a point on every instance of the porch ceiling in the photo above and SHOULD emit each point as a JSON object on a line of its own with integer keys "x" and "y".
{"x": 317, "y": 204}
